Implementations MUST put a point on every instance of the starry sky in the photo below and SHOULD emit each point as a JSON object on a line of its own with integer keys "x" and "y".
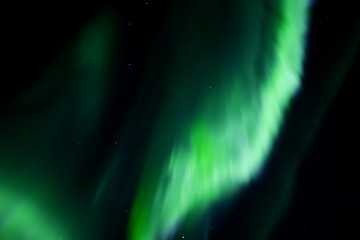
{"x": 147, "y": 120}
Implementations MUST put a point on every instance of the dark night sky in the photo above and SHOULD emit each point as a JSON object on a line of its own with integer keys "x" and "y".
{"x": 325, "y": 200}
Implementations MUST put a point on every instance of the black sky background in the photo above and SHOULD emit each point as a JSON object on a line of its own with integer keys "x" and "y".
{"x": 325, "y": 203}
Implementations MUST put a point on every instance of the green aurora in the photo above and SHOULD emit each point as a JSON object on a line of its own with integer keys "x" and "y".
{"x": 222, "y": 79}
{"x": 37, "y": 165}
{"x": 226, "y": 142}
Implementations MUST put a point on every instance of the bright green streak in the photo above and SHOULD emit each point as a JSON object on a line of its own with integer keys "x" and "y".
{"x": 228, "y": 140}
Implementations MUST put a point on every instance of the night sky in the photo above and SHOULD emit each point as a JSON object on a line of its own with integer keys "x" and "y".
{"x": 183, "y": 119}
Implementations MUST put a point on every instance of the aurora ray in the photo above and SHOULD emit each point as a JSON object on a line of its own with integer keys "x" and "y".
{"x": 226, "y": 142}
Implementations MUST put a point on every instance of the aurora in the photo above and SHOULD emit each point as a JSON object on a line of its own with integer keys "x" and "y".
{"x": 225, "y": 143}
{"x": 182, "y": 119}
